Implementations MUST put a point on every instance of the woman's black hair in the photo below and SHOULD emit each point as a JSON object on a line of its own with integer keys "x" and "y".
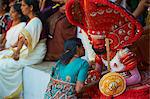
{"x": 70, "y": 49}
{"x": 35, "y": 4}
{"x": 5, "y": 2}
{"x": 17, "y": 8}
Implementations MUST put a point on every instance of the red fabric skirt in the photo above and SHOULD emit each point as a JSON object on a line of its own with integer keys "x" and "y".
{"x": 138, "y": 91}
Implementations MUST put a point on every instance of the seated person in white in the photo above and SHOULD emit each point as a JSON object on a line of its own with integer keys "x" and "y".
{"x": 29, "y": 50}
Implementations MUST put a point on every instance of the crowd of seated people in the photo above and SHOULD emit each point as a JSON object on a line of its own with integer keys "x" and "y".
{"x": 33, "y": 31}
{"x": 27, "y": 50}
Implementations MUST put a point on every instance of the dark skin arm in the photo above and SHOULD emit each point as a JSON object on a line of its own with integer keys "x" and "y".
{"x": 3, "y": 37}
{"x": 141, "y": 7}
{"x": 2, "y": 42}
{"x": 2, "y": 46}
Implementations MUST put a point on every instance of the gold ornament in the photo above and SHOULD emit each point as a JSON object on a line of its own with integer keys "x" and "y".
{"x": 112, "y": 84}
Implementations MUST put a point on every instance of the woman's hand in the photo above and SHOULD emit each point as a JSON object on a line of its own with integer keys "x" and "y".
{"x": 16, "y": 55}
{"x": 79, "y": 86}
{"x": 144, "y": 3}
{"x": 141, "y": 7}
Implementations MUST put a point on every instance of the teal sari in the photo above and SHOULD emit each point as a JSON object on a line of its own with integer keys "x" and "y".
{"x": 64, "y": 78}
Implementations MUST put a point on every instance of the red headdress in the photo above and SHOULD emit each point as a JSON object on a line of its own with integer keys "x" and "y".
{"x": 101, "y": 18}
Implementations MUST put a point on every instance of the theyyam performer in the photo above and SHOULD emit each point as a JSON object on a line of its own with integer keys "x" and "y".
{"x": 110, "y": 29}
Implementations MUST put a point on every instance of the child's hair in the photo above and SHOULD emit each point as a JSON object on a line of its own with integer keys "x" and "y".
{"x": 70, "y": 49}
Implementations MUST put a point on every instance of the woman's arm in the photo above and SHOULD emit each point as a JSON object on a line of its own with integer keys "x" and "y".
{"x": 79, "y": 86}
{"x": 141, "y": 7}
{"x": 2, "y": 46}
{"x": 21, "y": 42}
{"x": 3, "y": 37}
{"x": 42, "y": 4}
{"x": 135, "y": 78}
{"x": 82, "y": 75}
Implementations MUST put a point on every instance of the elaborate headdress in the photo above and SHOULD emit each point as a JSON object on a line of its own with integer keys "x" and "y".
{"x": 103, "y": 19}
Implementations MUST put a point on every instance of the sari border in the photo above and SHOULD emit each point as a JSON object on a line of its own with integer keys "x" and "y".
{"x": 27, "y": 35}
{"x": 15, "y": 94}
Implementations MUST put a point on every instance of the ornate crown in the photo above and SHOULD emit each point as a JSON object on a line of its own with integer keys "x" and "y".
{"x": 104, "y": 19}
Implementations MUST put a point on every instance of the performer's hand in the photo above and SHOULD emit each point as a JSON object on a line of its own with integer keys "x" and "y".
{"x": 16, "y": 55}
{"x": 129, "y": 60}
{"x": 93, "y": 76}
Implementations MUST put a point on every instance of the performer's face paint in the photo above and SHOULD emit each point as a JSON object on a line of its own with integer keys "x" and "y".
{"x": 98, "y": 46}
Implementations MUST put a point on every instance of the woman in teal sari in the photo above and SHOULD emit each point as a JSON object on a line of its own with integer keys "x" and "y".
{"x": 70, "y": 72}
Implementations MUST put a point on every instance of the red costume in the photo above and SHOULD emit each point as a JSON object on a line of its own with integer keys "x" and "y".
{"x": 102, "y": 19}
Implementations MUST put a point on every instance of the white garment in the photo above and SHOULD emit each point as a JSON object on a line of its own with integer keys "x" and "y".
{"x": 115, "y": 63}
{"x": 12, "y": 34}
{"x": 89, "y": 52}
{"x": 11, "y": 70}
